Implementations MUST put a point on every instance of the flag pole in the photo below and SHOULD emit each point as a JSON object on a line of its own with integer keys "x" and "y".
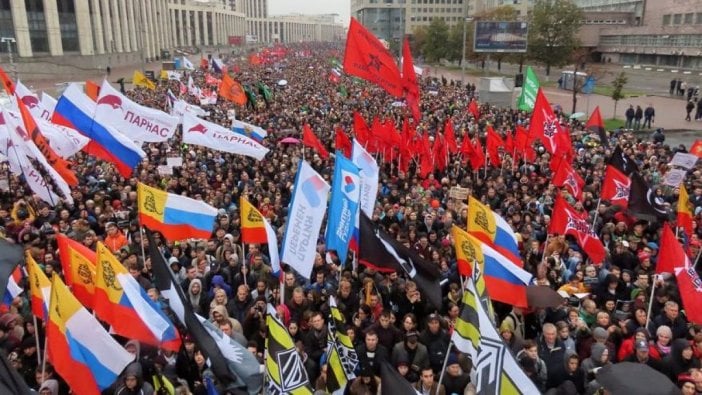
{"x": 697, "y": 258}
{"x": 443, "y": 368}
{"x": 46, "y": 347}
{"x": 243, "y": 261}
{"x": 142, "y": 234}
{"x": 650, "y": 302}
{"x": 597, "y": 213}
{"x": 36, "y": 338}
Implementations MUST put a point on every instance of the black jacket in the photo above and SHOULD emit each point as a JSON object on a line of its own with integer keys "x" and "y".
{"x": 372, "y": 361}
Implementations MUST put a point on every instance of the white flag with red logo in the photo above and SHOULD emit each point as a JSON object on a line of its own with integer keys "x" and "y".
{"x": 207, "y": 134}
{"x": 567, "y": 221}
{"x": 34, "y": 105}
{"x": 135, "y": 121}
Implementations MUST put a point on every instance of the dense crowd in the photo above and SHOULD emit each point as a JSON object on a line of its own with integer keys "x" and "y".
{"x": 603, "y": 319}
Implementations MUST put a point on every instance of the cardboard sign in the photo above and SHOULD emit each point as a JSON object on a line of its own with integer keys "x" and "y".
{"x": 674, "y": 177}
{"x": 459, "y": 193}
{"x": 684, "y": 160}
{"x": 165, "y": 170}
{"x": 174, "y": 162}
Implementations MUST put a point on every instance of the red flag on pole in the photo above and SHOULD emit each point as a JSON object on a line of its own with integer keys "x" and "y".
{"x": 690, "y": 288}
{"x": 450, "y": 136}
{"x": 566, "y": 221}
{"x": 522, "y": 141}
{"x": 477, "y": 160}
{"x": 615, "y": 187}
{"x": 310, "y": 140}
{"x": 342, "y": 142}
{"x": 696, "y": 148}
{"x": 566, "y": 176}
{"x": 671, "y": 254}
{"x": 473, "y": 109}
{"x": 409, "y": 81}
{"x": 493, "y": 143}
{"x": 367, "y": 58}
{"x": 545, "y": 126}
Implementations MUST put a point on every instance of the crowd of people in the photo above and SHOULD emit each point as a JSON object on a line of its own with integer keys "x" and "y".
{"x": 603, "y": 319}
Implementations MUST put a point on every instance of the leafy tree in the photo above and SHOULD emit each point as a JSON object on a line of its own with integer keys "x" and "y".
{"x": 618, "y": 85}
{"x": 434, "y": 47}
{"x": 454, "y": 43}
{"x": 553, "y": 30}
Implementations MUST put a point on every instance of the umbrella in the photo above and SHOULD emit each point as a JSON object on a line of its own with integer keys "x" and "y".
{"x": 626, "y": 378}
{"x": 542, "y": 296}
{"x": 577, "y": 115}
{"x": 290, "y": 140}
{"x": 282, "y": 82}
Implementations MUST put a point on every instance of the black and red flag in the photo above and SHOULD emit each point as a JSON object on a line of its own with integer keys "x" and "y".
{"x": 367, "y": 58}
{"x": 596, "y": 125}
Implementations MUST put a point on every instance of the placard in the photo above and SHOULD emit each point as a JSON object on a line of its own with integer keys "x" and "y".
{"x": 174, "y": 161}
{"x": 682, "y": 159}
{"x": 459, "y": 193}
{"x": 165, "y": 170}
{"x": 674, "y": 177}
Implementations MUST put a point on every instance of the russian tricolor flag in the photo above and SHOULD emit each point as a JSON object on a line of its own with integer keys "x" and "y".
{"x": 13, "y": 289}
{"x": 75, "y": 110}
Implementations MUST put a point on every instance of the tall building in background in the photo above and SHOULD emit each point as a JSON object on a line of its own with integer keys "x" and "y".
{"x": 390, "y": 20}
{"x": 75, "y": 35}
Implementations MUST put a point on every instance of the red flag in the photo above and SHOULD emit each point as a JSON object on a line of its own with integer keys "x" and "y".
{"x": 204, "y": 64}
{"x": 671, "y": 254}
{"x": 406, "y": 147}
{"x": 596, "y": 125}
{"x": 509, "y": 143}
{"x": 426, "y": 164}
{"x": 409, "y": 81}
{"x": 567, "y": 176}
{"x": 450, "y": 136}
{"x": 58, "y": 163}
{"x": 7, "y": 82}
{"x": 545, "y": 126}
{"x": 466, "y": 149}
{"x": 690, "y": 287}
{"x": 254, "y": 59}
{"x": 342, "y": 142}
{"x": 473, "y": 109}
{"x": 493, "y": 142}
{"x": 477, "y": 160}
{"x": 367, "y": 58}
{"x": 362, "y": 132}
{"x": 310, "y": 140}
{"x": 440, "y": 152}
{"x": 566, "y": 221}
{"x": 523, "y": 144}
{"x": 615, "y": 187}
{"x": 696, "y": 148}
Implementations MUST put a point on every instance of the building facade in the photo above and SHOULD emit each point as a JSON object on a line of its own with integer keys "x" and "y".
{"x": 74, "y": 35}
{"x": 390, "y": 20}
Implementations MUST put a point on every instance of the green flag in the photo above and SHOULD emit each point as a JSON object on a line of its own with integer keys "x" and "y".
{"x": 265, "y": 91}
{"x": 529, "y": 90}
{"x": 343, "y": 91}
{"x": 250, "y": 95}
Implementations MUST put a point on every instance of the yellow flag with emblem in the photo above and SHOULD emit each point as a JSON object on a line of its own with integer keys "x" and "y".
{"x": 139, "y": 79}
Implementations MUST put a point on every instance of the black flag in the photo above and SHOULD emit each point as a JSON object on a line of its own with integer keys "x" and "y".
{"x": 643, "y": 202}
{"x": 622, "y": 162}
{"x": 392, "y": 382}
{"x": 183, "y": 310}
{"x": 10, "y": 256}
{"x": 379, "y": 250}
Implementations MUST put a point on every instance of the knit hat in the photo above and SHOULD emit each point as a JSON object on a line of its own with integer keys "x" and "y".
{"x": 600, "y": 334}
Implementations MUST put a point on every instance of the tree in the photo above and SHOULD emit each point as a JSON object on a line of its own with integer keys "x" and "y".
{"x": 618, "y": 85}
{"x": 454, "y": 43}
{"x": 553, "y": 29}
{"x": 434, "y": 46}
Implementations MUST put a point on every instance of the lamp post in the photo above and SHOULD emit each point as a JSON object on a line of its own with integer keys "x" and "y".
{"x": 9, "y": 41}
{"x": 466, "y": 20}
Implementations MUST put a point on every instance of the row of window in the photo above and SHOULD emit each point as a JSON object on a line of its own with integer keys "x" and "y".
{"x": 678, "y": 40}
{"x": 457, "y": 10}
{"x": 417, "y": 1}
{"x": 682, "y": 19}
{"x": 606, "y": 22}
{"x": 446, "y": 19}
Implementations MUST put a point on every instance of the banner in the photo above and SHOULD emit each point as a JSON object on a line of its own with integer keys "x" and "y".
{"x": 305, "y": 216}
{"x": 343, "y": 208}
{"x": 207, "y": 134}
{"x": 369, "y": 177}
{"x": 181, "y": 107}
{"x": 34, "y": 105}
{"x": 135, "y": 121}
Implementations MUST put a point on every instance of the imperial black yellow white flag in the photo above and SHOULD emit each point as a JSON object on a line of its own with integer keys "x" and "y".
{"x": 284, "y": 368}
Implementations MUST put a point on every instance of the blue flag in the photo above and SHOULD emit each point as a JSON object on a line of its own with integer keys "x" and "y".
{"x": 344, "y": 205}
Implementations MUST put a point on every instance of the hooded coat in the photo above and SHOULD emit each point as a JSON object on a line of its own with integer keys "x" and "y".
{"x": 675, "y": 362}
{"x": 142, "y": 387}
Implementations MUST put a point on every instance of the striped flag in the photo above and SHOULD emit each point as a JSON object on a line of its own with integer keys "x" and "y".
{"x": 39, "y": 288}
{"x": 685, "y": 213}
{"x": 284, "y": 368}
{"x": 342, "y": 359}
{"x": 495, "y": 370}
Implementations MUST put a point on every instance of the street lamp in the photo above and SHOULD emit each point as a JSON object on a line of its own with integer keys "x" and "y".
{"x": 466, "y": 20}
{"x": 9, "y": 41}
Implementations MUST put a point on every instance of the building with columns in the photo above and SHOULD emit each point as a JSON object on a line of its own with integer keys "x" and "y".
{"x": 53, "y": 37}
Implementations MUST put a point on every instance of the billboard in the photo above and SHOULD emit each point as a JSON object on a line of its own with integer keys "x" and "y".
{"x": 500, "y": 36}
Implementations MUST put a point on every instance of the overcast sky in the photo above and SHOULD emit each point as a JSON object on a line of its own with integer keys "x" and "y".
{"x": 341, "y": 7}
